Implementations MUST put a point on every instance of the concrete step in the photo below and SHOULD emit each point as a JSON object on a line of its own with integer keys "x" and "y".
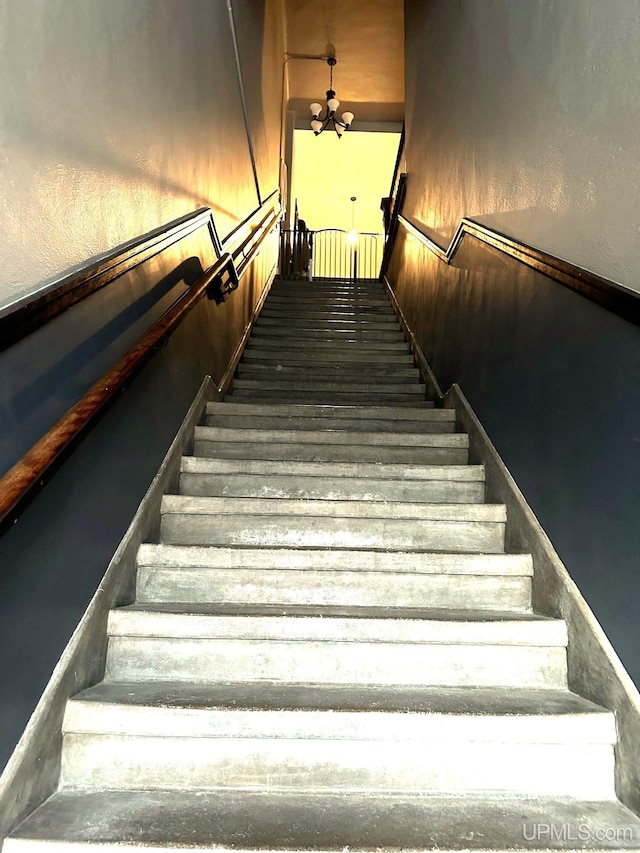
{"x": 317, "y": 307}
{"x": 360, "y": 334}
{"x": 277, "y": 384}
{"x": 348, "y": 398}
{"x": 288, "y": 577}
{"x": 362, "y": 646}
{"x": 329, "y": 345}
{"x": 301, "y": 560}
{"x": 321, "y": 289}
{"x": 336, "y": 324}
{"x": 440, "y": 452}
{"x": 385, "y": 471}
{"x": 466, "y": 528}
{"x": 342, "y": 354}
{"x": 135, "y": 736}
{"x": 105, "y": 820}
{"x": 434, "y": 421}
{"x": 439, "y": 425}
{"x": 330, "y": 311}
{"x": 329, "y": 314}
{"x": 357, "y": 302}
{"x": 339, "y": 436}
{"x": 330, "y": 488}
{"x": 327, "y": 372}
{"x": 359, "y": 413}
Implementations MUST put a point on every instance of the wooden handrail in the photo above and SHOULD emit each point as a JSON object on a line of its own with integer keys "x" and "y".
{"x": 272, "y": 218}
{"x": 393, "y": 225}
{"x": 606, "y": 293}
{"x": 19, "y": 483}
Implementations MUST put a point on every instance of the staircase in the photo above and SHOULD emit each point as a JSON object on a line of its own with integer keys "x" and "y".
{"x": 329, "y": 648}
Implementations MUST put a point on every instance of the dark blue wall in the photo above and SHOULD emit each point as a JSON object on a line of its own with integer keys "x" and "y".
{"x": 555, "y": 381}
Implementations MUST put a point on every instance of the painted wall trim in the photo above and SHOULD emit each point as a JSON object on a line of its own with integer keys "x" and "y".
{"x": 32, "y": 773}
{"x": 608, "y": 294}
{"x": 236, "y": 233}
{"x": 595, "y": 670}
{"x": 34, "y": 311}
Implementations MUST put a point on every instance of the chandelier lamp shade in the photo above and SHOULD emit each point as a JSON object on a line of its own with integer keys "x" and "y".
{"x": 320, "y": 121}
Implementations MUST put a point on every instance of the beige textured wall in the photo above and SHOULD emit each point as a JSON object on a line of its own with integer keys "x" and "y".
{"x": 526, "y": 116}
{"x": 117, "y": 116}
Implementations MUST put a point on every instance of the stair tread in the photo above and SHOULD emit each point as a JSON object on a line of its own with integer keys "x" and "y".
{"x": 167, "y": 820}
{"x": 314, "y": 612}
{"x": 216, "y": 556}
{"x": 375, "y": 510}
{"x": 342, "y": 625}
{"x": 394, "y": 471}
{"x": 463, "y": 701}
{"x": 273, "y": 383}
{"x": 330, "y": 435}
{"x": 298, "y": 395}
{"x": 334, "y": 411}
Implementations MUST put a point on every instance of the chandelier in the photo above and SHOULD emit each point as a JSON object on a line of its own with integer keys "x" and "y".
{"x": 320, "y": 122}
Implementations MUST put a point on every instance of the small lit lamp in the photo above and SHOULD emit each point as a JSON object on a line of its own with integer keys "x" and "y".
{"x": 320, "y": 122}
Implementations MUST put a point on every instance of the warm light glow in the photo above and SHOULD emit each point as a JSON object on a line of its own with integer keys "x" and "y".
{"x": 347, "y": 118}
{"x": 316, "y": 126}
{"x": 316, "y": 109}
{"x": 326, "y": 173}
{"x": 352, "y": 237}
{"x": 333, "y": 104}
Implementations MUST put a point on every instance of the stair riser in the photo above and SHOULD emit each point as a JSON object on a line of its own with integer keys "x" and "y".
{"x": 330, "y": 313}
{"x": 324, "y": 292}
{"x": 305, "y": 452}
{"x": 312, "y": 532}
{"x": 327, "y": 398}
{"x": 360, "y": 333}
{"x": 275, "y": 383}
{"x": 357, "y": 589}
{"x": 363, "y": 413}
{"x": 431, "y": 427}
{"x": 365, "y": 336}
{"x": 347, "y": 358}
{"x": 329, "y": 319}
{"x": 147, "y": 762}
{"x": 297, "y": 374}
{"x": 341, "y": 304}
{"x": 332, "y": 560}
{"x": 331, "y": 437}
{"x": 328, "y": 346}
{"x": 327, "y": 662}
{"x": 342, "y": 488}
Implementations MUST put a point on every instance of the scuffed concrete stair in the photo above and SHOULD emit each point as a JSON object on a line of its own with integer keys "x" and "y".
{"x": 329, "y": 647}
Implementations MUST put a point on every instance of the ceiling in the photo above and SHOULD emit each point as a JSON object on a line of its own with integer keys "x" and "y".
{"x": 367, "y": 39}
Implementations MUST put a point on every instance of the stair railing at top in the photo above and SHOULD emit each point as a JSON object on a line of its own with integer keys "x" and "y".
{"x": 329, "y": 253}
{"x": 30, "y": 473}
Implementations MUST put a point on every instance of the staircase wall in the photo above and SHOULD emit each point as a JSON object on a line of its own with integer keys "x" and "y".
{"x": 118, "y": 117}
{"x": 524, "y": 117}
